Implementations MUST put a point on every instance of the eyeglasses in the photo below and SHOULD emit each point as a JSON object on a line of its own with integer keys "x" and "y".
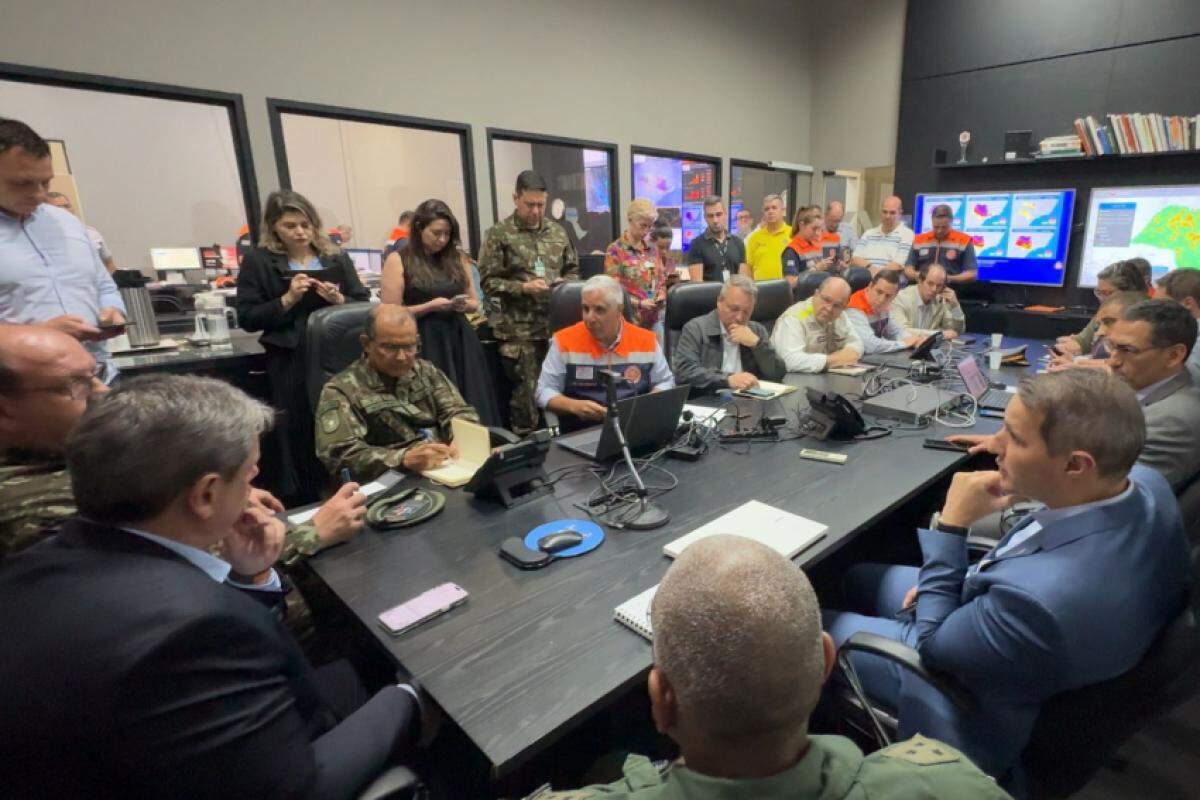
{"x": 1128, "y": 350}
{"x": 836, "y": 304}
{"x": 394, "y": 349}
{"x": 77, "y": 386}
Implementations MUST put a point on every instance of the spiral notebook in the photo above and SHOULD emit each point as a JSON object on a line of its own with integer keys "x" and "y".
{"x": 785, "y": 533}
{"x": 635, "y": 612}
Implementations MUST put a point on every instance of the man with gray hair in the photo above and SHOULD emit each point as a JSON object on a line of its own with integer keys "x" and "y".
{"x": 716, "y": 254}
{"x": 159, "y": 663}
{"x": 725, "y": 349}
{"x": 1071, "y": 596}
{"x": 571, "y": 382}
{"x": 835, "y": 212}
{"x": 739, "y": 659}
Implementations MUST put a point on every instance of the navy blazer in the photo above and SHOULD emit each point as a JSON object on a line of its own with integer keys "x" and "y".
{"x": 131, "y": 673}
{"x": 1077, "y": 603}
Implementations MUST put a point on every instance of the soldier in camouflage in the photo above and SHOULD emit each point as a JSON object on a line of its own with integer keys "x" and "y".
{"x": 522, "y": 259}
{"x": 390, "y": 409}
{"x": 739, "y": 662}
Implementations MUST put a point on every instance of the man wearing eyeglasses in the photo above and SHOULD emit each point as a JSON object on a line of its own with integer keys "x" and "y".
{"x": 1148, "y": 348}
{"x": 390, "y": 409}
{"x": 814, "y": 334}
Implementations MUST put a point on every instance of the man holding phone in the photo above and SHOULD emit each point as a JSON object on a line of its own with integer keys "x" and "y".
{"x": 929, "y": 306}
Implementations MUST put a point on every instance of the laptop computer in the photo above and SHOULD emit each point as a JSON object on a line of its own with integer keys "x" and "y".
{"x": 977, "y": 386}
{"x": 647, "y": 421}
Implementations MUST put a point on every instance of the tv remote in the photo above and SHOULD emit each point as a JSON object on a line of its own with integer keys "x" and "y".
{"x": 822, "y": 455}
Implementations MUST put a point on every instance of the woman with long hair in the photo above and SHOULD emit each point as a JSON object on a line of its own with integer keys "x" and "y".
{"x": 431, "y": 276}
{"x": 294, "y": 271}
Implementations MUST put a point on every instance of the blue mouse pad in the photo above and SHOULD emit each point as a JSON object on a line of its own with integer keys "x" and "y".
{"x": 592, "y": 534}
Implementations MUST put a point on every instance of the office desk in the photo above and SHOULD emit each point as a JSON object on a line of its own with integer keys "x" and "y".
{"x": 531, "y": 654}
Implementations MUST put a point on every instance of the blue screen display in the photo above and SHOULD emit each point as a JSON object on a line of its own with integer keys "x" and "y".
{"x": 1020, "y": 237}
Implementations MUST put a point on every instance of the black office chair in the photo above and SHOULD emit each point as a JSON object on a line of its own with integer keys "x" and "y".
{"x": 774, "y": 297}
{"x": 808, "y": 284}
{"x": 591, "y": 264}
{"x": 686, "y": 301}
{"x": 858, "y": 278}
{"x": 1076, "y": 732}
{"x": 332, "y": 344}
{"x": 394, "y": 783}
{"x": 564, "y": 306}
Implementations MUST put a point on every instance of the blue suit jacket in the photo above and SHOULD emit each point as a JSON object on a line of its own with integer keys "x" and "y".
{"x": 1077, "y": 603}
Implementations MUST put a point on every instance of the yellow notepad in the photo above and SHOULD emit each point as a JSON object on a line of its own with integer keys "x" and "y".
{"x": 474, "y": 446}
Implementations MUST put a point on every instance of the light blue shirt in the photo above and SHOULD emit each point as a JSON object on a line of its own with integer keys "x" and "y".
{"x": 215, "y": 568}
{"x": 553, "y": 377}
{"x": 48, "y": 268}
{"x": 296, "y": 266}
{"x": 1043, "y": 517}
{"x": 1145, "y": 392}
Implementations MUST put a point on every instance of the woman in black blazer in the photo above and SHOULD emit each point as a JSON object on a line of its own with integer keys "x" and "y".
{"x": 294, "y": 271}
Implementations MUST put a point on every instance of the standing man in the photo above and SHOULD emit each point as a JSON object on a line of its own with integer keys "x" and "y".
{"x": 929, "y": 306}
{"x": 62, "y": 201}
{"x": 745, "y": 224}
{"x": 835, "y": 212}
{"x": 522, "y": 258}
{"x": 764, "y": 248}
{"x": 49, "y": 270}
{"x": 941, "y": 244}
{"x": 814, "y": 334}
{"x": 716, "y": 254}
{"x": 885, "y": 246}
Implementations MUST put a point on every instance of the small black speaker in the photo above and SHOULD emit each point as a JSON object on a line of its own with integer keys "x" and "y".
{"x": 1017, "y": 144}
{"x": 939, "y": 156}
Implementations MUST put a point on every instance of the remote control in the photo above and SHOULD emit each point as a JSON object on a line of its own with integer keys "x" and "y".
{"x": 821, "y": 455}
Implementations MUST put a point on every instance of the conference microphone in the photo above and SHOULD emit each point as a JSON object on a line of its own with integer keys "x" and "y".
{"x": 649, "y": 514}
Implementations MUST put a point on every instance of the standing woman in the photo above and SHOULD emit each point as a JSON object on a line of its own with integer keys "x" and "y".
{"x": 294, "y": 271}
{"x": 634, "y": 264}
{"x": 431, "y": 276}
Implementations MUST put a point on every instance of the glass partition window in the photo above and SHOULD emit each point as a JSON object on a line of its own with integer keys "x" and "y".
{"x": 579, "y": 181}
{"x": 363, "y": 175}
{"x": 677, "y": 187}
{"x": 145, "y": 172}
{"x": 749, "y": 185}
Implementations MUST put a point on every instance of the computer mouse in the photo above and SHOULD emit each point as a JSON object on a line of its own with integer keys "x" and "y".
{"x": 559, "y": 540}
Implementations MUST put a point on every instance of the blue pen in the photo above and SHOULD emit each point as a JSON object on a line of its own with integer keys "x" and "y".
{"x": 346, "y": 478}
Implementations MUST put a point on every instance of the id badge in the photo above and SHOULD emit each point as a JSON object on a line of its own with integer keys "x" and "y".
{"x": 539, "y": 269}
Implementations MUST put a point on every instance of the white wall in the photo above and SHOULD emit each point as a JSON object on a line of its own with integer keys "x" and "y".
{"x": 149, "y": 172}
{"x": 693, "y": 75}
{"x": 856, "y": 82}
{"x": 511, "y": 159}
{"x": 365, "y": 174}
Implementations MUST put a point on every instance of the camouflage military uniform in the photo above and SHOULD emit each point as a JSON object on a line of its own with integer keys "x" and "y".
{"x": 512, "y": 255}
{"x": 35, "y": 495}
{"x": 367, "y": 420}
{"x": 832, "y": 769}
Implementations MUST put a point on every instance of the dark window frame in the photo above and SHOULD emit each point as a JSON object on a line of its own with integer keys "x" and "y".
{"x": 792, "y": 174}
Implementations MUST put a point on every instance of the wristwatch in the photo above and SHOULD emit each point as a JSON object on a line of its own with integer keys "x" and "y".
{"x": 936, "y": 524}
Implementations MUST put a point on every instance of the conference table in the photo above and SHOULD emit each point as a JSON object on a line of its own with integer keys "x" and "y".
{"x": 532, "y": 654}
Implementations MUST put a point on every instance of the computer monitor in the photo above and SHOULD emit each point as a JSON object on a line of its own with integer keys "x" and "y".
{"x": 175, "y": 258}
{"x": 219, "y": 257}
{"x": 1158, "y": 223}
{"x": 1020, "y": 237}
{"x": 365, "y": 260}
{"x": 677, "y": 187}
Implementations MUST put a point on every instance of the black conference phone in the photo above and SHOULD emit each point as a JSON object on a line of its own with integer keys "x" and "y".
{"x": 832, "y": 416}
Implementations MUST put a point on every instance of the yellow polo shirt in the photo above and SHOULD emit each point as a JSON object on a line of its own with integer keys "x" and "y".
{"x": 764, "y": 252}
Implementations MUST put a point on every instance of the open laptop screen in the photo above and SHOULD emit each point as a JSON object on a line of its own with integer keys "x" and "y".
{"x": 977, "y": 385}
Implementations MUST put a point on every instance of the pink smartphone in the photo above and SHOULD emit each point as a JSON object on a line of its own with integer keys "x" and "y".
{"x": 422, "y": 608}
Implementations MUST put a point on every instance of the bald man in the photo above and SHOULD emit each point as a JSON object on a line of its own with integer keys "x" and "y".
{"x": 886, "y": 246}
{"x": 739, "y": 660}
{"x": 47, "y": 379}
{"x": 815, "y": 334}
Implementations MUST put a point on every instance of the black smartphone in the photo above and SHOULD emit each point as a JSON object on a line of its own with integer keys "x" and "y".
{"x": 942, "y": 444}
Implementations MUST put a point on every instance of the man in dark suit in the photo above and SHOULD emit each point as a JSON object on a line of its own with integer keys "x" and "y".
{"x": 1149, "y": 348}
{"x": 148, "y": 667}
{"x": 1071, "y": 596}
{"x": 725, "y": 349}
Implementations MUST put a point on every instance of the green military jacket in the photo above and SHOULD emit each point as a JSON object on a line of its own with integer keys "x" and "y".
{"x": 832, "y": 769}
{"x": 35, "y": 495}
{"x": 366, "y": 420}
{"x": 512, "y": 255}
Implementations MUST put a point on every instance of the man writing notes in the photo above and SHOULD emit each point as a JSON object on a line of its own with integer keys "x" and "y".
{"x": 814, "y": 334}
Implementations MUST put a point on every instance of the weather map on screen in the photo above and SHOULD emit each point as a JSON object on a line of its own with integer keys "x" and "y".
{"x": 596, "y": 181}
{"x": 1020, "y": 237}
{"x": 1158, "y": 223}
{"x": 677, "y": 187}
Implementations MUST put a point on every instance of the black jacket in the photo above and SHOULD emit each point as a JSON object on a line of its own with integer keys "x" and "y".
{"x": 131, "y": 673}
{"x": 696, "y": 358}
{"x": 264, "y": 278}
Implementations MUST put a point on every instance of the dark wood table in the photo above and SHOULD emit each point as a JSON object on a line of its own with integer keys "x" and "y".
{"x": 532, "y": 654}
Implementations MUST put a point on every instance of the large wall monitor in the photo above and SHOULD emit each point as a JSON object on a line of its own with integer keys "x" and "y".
{"x": 1158, "y": 223}
{"x": 1020, "y": 237}
{"x": 677, "y": 187}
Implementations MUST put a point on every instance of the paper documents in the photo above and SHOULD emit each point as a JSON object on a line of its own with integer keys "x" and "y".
{"x": 474, "y": 446}
{"x": 783, "y": 532}
{"x": 776, "y": 390}
{"x": 635, "y": 612}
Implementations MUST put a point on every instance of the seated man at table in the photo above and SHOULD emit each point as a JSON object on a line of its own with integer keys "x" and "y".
{"x": 929, "y": 306}
{"x": 46, "y": 382}
{"x": 814, "y": 334}
{"x": 1183, "y": 286}
{"x": 379, "y": 413}
{"x": 739, "y": 659}
{"x": 1071, "y": 596}
{"x": 572, "y": 383}
{"x": 868, "y": 315}
{"x": 725, "y": 349}
{"x": 148, "y": 667}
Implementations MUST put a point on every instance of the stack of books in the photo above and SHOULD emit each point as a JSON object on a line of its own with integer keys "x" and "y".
{"x": 1060, "y": 147}
{"x": 1138, "y": 133}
